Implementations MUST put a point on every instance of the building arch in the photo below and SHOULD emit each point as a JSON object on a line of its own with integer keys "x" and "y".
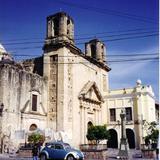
{"x": 89, "y": 124}
{"x": 113, "y": 140}
{"x": 33, "y": 127}
{"x": 131, "y": 138}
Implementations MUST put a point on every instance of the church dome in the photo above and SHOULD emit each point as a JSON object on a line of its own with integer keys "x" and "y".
{"x": 2, "y": 49}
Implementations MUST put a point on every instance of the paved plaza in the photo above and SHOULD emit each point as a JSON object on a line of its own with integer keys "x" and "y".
{"x": 112, "y": 154}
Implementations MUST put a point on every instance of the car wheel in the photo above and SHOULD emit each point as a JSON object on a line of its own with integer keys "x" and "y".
{"x": 43, "y": 157}
{"x": 70, "y": 157}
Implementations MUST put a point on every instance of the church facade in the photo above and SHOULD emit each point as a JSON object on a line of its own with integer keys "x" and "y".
{"x": 60, "y": 91}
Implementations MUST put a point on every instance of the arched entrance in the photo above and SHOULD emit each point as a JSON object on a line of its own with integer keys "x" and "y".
{"x": 32, "y": 127}
{"x": 89, "y": 124}
{"x": 113, "y": 140}
{"x": 131, "y": 138}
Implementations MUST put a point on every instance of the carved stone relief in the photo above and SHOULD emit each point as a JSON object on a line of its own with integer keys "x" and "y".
{"x": 53, "y": 88}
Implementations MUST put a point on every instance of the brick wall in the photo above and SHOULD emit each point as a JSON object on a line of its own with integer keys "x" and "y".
{"x": 95, "y": 155}
{"x": 25, "y": 153}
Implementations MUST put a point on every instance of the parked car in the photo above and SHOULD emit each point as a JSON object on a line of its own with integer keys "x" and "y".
{"x": 60, "y": 151}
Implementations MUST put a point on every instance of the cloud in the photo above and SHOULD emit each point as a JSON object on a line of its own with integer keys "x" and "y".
{"x": 125, "y": 74}
{"x": 126, "y": 68}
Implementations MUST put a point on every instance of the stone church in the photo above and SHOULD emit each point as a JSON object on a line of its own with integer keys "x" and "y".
{"x": 60, "y": 91}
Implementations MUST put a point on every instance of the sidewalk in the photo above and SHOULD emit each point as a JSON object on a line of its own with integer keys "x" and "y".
{"x": 133, "y": 154}
{"x": 12, "y": 157}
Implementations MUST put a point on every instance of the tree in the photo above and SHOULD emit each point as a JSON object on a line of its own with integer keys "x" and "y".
{"x": 36, "y": 138}
{"x": 152, "y": 133}
{"x": 97, "y": 133}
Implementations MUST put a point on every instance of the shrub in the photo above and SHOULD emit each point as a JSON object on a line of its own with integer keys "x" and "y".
{"x": 97, "y": 133}
{"x": 152, "y": 133}
{"x": 36, "y": 138}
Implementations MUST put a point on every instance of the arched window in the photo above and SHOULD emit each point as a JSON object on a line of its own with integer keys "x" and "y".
{"x": 56, "y": 27}
{"x": 34, "y": 102}
{"x": 131, "y": 138}
{"x": 33, "y": 127}
{"x": 89, "y": 124}
{"x": 93, "y": 51}
{"x": 113, "y": 140}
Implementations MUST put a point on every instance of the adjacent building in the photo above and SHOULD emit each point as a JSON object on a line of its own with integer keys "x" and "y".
{"x": 139, "y": 105}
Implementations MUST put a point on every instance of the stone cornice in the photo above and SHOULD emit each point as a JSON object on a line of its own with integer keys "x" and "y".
{"x": 130, "y": 95}
{"x": 59, "y": 14}
{"x": 19, "y": 68}
{"x": 32, "y": 113}
{"x": 91, "y": 101}
{"x": 59, "y": 44}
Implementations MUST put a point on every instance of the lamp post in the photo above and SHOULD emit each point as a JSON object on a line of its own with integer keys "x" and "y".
{"x": 123, "y": 150}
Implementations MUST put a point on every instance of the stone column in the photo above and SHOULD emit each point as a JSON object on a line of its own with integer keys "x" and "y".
{"x": 96, "y": 117}
{"x": 71, "y": 30}
{"x": 98, "y": 51}
{"x": 85, "y": 125}
{"x": 123, "y": 150}
{"x": 82, "y": 125}
{"x": 87, "y": 49}
{"x": 123, "y": 128}
{"x": 63, "y": 25}
{"x": 50, "y": 28}
{"x": 104, "y": 54}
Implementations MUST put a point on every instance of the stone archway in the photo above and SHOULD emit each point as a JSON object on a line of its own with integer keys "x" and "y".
{"x": 89, "y": 124}
{"x": 113, "y": 140}
{"x": 33, "y": 127}
{"x": 131, "y": 138}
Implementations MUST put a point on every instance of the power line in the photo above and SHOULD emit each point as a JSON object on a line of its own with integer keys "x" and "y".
{"x": 116, "y": 31}
{"x": 86, "y": 34}
{"x": 110, "y": 12}
{"x": 82, "y": 38}
{"x": 133, "y": 60}
{"x": 123, "y": 55}
{"x": 123, "y": 38}
{"x": 113, "y": 55}
{"x": 114, "y": 35}
{"x": 109, "y": 61}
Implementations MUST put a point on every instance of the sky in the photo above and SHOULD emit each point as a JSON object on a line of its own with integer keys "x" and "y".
{"x": 129, "y": 29}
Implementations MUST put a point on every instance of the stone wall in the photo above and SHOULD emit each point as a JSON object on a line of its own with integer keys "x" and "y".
{"x": 95, "y": 155}
{"x": 16, "y": 89}
{"x": 26, "y": 153}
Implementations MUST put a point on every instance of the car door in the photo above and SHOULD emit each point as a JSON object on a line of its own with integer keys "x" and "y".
{"x": 51, "y": 151}
{"x": 59, "y": 152}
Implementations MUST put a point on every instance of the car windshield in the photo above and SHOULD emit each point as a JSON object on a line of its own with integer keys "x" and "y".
{"x": 67, "y": 146}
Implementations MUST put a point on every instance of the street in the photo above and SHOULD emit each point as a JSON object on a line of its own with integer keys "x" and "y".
{"x": 112, "y": 153}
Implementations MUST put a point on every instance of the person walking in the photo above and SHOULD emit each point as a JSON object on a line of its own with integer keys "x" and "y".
{"x": 35, "y": 152}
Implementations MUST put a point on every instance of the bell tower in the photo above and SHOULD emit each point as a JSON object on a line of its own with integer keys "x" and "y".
{"x": 59, "y": 39}
{"x": 96, "y": 50}
{"x": 60, "y": 28}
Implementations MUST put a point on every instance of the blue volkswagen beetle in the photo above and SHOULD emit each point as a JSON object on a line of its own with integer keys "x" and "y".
{"x": 60, "y": 151}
